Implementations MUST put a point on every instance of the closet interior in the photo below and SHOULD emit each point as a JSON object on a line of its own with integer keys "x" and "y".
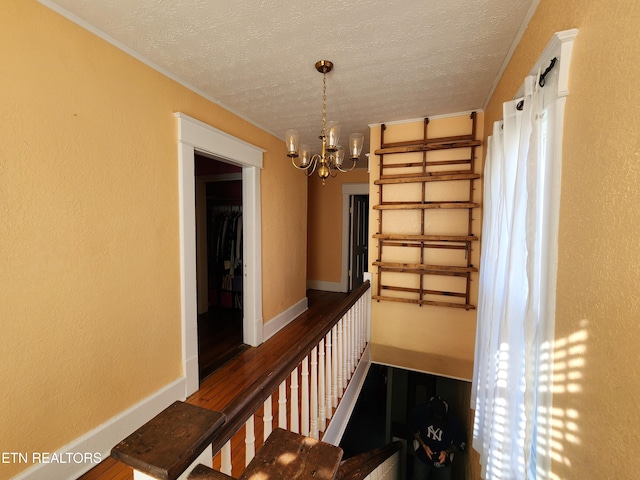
{"x": 219, "y": 258}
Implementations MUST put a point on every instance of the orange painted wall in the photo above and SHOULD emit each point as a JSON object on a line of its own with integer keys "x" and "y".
{"x": 89, "y": 229}
{"x": 325, "y": 225}
{"x": 596, "y": 401}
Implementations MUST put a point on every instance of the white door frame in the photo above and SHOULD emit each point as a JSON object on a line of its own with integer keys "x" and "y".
{"x": 193, "y": 136}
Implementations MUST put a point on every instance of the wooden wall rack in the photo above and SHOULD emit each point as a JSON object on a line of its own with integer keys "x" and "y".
{"x": 424, "y": 172}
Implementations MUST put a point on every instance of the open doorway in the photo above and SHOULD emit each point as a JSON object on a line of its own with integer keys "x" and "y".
{"x": 219, "y": 252}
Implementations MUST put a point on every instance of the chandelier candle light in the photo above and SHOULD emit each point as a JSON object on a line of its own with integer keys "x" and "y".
{"x": 330, "y": 160}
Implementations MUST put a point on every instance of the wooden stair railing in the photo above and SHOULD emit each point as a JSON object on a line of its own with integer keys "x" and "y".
{"x": 182, "y": 434}
{"x": 241, "y": 409}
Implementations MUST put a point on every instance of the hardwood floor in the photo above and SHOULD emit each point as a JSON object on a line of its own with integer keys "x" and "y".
{"x": 219, "y": 338}
{"x": 238, "y": 373}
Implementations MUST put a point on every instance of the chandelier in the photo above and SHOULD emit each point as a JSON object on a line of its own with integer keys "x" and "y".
{"x": 331, "y": 157}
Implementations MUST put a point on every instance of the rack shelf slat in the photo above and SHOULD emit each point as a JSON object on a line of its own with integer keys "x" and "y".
{"x": 426, "y": 238}
{"x": 426, "y": 147}
{"x": 466, "y": 306}
{"x": 440, "y": 177}
{"x": 421, "y": 267}
{"x": 425, "y": 205}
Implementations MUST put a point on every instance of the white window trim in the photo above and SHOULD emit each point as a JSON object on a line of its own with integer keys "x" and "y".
{"x": 560, "y": 47}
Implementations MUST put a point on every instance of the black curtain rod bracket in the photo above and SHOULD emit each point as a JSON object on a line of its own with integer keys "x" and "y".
{"x": 544, "y": 74}
{"x": 541, "y": 82}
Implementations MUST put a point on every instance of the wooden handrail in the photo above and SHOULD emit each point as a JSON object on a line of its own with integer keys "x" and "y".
{"x": 240, "y": 409}
{"x": 359, "y": 466}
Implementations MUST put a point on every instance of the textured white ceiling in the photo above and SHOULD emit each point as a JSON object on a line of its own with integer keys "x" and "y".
{"x": 394, "y": 59}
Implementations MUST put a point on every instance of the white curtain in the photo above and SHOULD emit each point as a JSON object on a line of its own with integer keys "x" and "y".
{"x": 513, "y": 263}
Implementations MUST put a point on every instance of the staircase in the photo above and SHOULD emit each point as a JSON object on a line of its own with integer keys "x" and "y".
{"x": 180, "y": 434}
{"x": 309, "y": 391}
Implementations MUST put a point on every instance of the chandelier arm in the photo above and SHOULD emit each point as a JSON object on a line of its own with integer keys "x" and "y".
{"x": 333, "y": 172}
{"x": 355, "y": 161}
{"x": 313, "y": 163}
{"x": 300, "y": 167}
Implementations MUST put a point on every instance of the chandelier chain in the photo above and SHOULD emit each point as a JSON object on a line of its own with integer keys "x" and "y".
{"x": 324, "y": 104}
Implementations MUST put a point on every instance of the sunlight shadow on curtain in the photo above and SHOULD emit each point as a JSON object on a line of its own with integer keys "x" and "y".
{"x": 568, "y": 358}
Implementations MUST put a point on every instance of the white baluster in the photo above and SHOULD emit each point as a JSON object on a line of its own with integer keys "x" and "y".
{"x": 304, "y": 397}
{"x": 322, "y": 383}
{"x": 364, "y": 310}
{"x": 340, "y": 348}
{"x": 347, "y": 347}
{"x": 354, "y": 340}
{"x": 268, "y": 418}
{"x": 294, "y": 402}
{"x": 360, "y": 328}
{"x": 329, "y": 377}
{"x": 225, "y": 458}
{"x": 355, "y": 330}
{"x": 365, "y": 324}
{"x": 249, "y": 441}
{"x": 335, "y": 368}
{"x": 282, "y": 405}
{"x": 368, "y": 317}
{"x": 345, "y": 352}
{"x": 354, "y": 333}
{"x": 313, "y": 401}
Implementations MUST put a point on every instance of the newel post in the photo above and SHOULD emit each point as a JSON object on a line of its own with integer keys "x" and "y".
{"x": 170, "y": 444}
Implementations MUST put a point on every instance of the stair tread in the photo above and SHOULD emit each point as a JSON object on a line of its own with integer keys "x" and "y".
{"x": 289, "y": 455}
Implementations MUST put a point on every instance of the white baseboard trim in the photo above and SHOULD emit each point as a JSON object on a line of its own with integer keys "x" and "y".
{"x": 280, "y": 321}
{"x": 192, "y": 380}
{"x": 99, "y": 441}
{"x": 326, "y": 286}
{"x": 338, "y": 424}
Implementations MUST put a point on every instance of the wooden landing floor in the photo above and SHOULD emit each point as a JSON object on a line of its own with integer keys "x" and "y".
{"x": 217, "y": 390}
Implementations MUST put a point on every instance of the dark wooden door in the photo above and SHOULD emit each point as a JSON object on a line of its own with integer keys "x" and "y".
{"x": 359, "y": 208}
